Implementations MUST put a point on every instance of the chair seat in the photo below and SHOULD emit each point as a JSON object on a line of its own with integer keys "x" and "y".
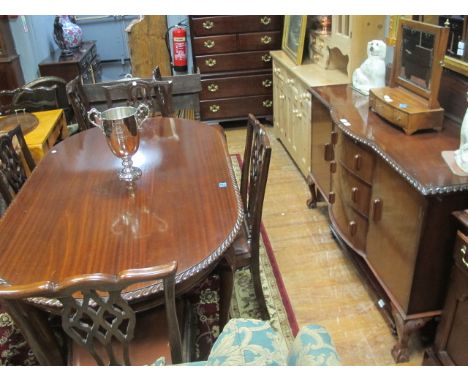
{"x": 150, "y": 344}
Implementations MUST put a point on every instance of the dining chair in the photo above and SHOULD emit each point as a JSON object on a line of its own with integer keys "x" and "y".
{"x": 28, "y": 99}
{"x": 102, "y": 326}
{"x": 245, "y": 251}
{"x": 156, "y": 94}
{"x": 62, "y": 99}
{"x": 79, "y": 103}
{"x": 13, "y": 174}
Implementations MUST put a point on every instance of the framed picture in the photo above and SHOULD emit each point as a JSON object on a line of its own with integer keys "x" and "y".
{"x": 294, "y": 32}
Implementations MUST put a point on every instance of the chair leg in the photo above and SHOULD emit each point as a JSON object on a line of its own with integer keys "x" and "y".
{"x": 255, "y": 271}
{"x": 226, "y": 269}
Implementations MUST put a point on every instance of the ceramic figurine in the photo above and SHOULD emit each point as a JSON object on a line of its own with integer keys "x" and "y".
{"x": 371, "y": 73}
{"x": 461, "y": 155}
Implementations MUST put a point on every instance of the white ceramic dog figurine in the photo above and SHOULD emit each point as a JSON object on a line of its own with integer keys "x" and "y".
{"x": 461, "y": 155}
{"x": 371, "y": 74}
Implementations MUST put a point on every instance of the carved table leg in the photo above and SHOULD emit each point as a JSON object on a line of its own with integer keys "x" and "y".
{"x": 405, "y": 328}
{"x": 226, "y": 269}
{"x": 312, "y": 202}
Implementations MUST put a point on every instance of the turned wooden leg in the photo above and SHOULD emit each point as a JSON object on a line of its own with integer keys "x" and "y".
{"x": 257, "y": 282}
{"x": 226, "y": 269}
{"x": 405, "y": 328}
{"x": 312, "y": 202}
{"x": 35, "y": 329}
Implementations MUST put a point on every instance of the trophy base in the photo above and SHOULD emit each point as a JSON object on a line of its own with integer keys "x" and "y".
{"x": 130, "y": 174}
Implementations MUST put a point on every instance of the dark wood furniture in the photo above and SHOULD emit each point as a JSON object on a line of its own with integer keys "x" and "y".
{"x": 13, "y": 174}
{"x": 232, "y": 55}
{"x": 102, "y": 327}
{"x": 390, "y": 198}
{"x": 11, "y": 75}
{"x": 185, "y": 207}
{"x": 451, "y": 342}
{"x": 28, "y": 100}
{"x": 84, "y": 63}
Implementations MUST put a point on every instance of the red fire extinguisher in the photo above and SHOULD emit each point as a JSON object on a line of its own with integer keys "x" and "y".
{"x": 179, "y": 48}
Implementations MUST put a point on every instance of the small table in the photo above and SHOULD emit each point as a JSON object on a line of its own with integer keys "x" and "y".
{"x": 73, "y": 216}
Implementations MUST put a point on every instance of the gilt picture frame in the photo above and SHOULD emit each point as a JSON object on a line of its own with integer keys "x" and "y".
{"x": 294, "y": 32}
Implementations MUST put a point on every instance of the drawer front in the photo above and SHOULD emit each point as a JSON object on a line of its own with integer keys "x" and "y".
{"x": 260, "y": 41}
{"x": 213, "y": 25}
{"x": 236, "y": 107}
{"x": 236, "y": 86}
{"x": 355, "y": 192}
{"x": 215, "y": 44}
{"x": 355, "y": 158}
{"x": 388, "y": 112}
{"x": 234, "y": 61}
{"x": 461, "y": 253}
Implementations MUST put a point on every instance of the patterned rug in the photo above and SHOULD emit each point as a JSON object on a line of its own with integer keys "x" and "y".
{"x": 14, "y": 350}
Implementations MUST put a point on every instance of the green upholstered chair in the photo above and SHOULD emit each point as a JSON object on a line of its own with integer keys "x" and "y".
{"x": 249, "y": 342}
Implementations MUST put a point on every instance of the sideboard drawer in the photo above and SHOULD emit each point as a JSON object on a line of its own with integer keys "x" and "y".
{"x": 260, "y": 41}
{"x": 355, "y": 192}
{"x": 234, "y": 107}
{"x": 213, "y": 25}
{"x": 356, "y": 159}
{"x": 215, "y": 44}
{"x": 236, "y": 86}
{"x": 234, "y": 61}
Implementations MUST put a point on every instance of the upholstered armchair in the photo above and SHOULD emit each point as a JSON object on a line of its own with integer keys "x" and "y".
{"x": 249, "y": 342}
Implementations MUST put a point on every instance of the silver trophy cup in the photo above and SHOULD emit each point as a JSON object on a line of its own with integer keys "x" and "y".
{"x": 120, "y": 126}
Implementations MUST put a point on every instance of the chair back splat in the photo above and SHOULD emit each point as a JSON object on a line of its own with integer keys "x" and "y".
{"x": 29, "y": 99}
{"x": 97, "y": 317}
{"x": 12, "y": 172}
{"x": 79, "y": 103}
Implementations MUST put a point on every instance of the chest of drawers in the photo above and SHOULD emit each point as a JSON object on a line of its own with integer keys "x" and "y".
{"x": 84, "y": 62}
{"x": 232, "y": 54}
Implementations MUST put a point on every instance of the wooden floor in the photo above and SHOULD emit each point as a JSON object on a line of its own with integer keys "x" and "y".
{"x": 322, "y": 283}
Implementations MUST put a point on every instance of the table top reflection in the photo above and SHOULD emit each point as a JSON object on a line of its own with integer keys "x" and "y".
{"x": 74, "y": 216}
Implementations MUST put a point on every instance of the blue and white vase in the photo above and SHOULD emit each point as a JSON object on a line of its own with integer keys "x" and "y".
{"x": 67, "y": 34}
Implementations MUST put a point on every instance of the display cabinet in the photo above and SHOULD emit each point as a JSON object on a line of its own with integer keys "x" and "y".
{"x": 11, "y": 75}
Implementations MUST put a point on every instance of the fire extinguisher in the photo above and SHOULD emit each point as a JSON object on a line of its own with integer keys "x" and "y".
{"x": 179, "y": 48}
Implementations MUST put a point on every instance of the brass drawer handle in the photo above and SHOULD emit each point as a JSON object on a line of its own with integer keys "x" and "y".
{"x": 331, "y": 197}
{"x": 377, "y": 204}
{"x": 214, "y": 108}
{"x": 210, "y": 62}
{"x": 352, "y": 226}
{"x": 213, "y": 87}
{"x": 266, "y": 39}
{"x": 282, "y": 96}
{"x": 208, "y": 24}
{"x": 354, "y": 194}
{"x": 266, "y": 83}
{"x": 209, "y": 44}
{"x": 463, "y": 251}
{"x": 357, "y": 162}
{"x": 268, "y": 103}
{"x": 265, "y": 20}
{"x": 266, "y": 58}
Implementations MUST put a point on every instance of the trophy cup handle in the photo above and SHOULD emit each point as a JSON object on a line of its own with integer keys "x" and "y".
{"x": 142, "y": 114}
{"x": 92, "y": 116}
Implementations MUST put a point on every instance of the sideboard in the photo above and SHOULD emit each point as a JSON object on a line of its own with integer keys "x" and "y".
{"x": 390, "y": 199}
{"x": 84, "y": 62}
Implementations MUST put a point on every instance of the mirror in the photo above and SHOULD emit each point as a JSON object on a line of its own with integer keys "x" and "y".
{"x": 417, "y": 51}
{"x": 417, "y": 64}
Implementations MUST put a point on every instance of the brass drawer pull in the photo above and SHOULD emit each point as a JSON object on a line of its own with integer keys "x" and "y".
{"x": 282, "y": 96}
{"x": 333, "y": 166}
{"x": 268, "y": 103}
{"x": 266, "y": 58}
{"x": 208, "y": 24}
{"x": 210, "y": 62}
{"x": 331, "y": 197}
{"x": 334, "y": 137}
{"x": 265, "y": 20}
{"x": 464, "y": 251}
{"x": 357, "y": 162}
{"x": 214, "y": 108}
{"x": 352, "y": 226}
{"x": 377, "y": 204}
{"x": 354, "y": 194}
{"x": 213, "y": 87}
{"x": 266, "y": 39}
{"x": 328, "y": 154}
{"x": 209, "y": 44}
{"x": 266, "y": 83}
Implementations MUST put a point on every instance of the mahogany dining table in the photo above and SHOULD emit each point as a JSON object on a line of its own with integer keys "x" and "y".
{"x": 73, "y": 216}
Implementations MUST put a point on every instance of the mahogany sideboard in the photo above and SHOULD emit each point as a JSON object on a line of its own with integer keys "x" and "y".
{"x": 84, "y": 62}
{"x": 232, "y": 54}
{"x": 390, "y": 199}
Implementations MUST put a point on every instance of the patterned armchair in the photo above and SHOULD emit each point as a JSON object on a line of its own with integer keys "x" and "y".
{"x": 249, "y": 342}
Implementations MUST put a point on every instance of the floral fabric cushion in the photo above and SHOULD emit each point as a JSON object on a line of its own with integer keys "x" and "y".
{"x": 248, "y": 342}
{"x": 313, "y": 347}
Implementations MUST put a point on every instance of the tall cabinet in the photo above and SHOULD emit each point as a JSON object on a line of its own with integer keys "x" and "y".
{"x": 11, "y": 75}
{"x": 232, "y": 55}
{"x": 333, "y": 58}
